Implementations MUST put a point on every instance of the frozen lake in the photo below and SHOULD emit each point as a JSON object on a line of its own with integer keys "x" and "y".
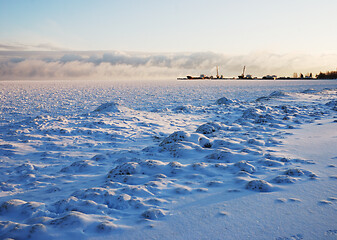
{"x": 22, "y": 99}
{"x": 168, "y": 160}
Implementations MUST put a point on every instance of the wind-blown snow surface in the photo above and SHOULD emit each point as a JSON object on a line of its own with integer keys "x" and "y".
{"x": 168, "y": 160}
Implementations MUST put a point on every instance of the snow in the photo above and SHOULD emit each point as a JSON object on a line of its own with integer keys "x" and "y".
{"x": 168, "y": 160}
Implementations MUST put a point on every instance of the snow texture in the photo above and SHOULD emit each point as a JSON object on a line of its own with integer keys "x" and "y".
{"x": 168, "y": 160}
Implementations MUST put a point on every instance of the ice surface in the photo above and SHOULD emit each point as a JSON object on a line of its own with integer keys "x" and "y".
{"x": 168, "y": 160}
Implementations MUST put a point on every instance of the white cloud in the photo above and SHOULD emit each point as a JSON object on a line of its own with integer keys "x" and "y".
{"x": 126, "y": 65}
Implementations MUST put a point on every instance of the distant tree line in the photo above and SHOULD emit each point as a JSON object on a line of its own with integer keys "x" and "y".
{"x": 327, "y": 75}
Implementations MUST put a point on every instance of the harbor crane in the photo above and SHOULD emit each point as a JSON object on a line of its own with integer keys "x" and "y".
{"x": 242, "y": 76}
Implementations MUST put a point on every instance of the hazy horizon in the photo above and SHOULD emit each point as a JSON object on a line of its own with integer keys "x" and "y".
{"x": 16, "y": 65}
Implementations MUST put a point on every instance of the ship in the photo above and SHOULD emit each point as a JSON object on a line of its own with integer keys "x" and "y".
{"x": 203, "y": 76}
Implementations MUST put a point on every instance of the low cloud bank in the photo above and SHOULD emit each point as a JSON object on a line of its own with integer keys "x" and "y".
{"x": 128, "y": 65}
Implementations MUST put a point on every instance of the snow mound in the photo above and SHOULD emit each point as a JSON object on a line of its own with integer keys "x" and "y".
{"x": 140, "y": 191}
{"x": 79, "y": 166}
{"x": 251, "y": 113}
{"x": 182, "y": 190}
{"x": 288, "y": 109}
{"x": 208, "y": 128}
{"x": 245, "y": 166}
{"x": 97, "y": 194}
{"x": 310, "y": 174}
{"x": 25, "y": 168}
{"x": 182, "y": 109}
{"x": 228, "y": 143}
{"x": 251, "y": 151}
{"x": 107, "y": 107}
{"x": 271, "y": 163}
{"x": 11, "y": 230}
{"x": 99, "y": 157}
{"x": 152, "y": 165}
{"x": 121, "y": 201}
{"x": 296, "y": 172}
{"x": 256, "y": 142}
{"x": 278, "y": 94}
{"x": 153, "y": 214}
{"x": 175, "y": 164}
{"x": 221, "y": 166}
{"x": 310, "y": 91}
{"x": 99, "y": 203}
{"x": 332, "y": 104}
{"x": 180, "y": 149}
{"x": 205, "y": 142}
{"x": 275, "y": 94}
{"x": 65, "y": 205}
{"x": 325, "y": 202}
{"x": 175, "y": 167}
{"x": 21, "y": 208}
{"x": 214, "y": 183}
{"x": 73, "y": 219}
{"x": 259, "y": 186}
{"x": 284, "y": 179}
{"x": 226, "y": 155}
{"x": 128, "y": 168}
{"x": 106, "y": 227}
{"x": 6, "y": 187}
{"x": 175, "y": 137}
{"x": 223, "y": 100}
{"x": 261, "y": 116}
{"x": 180, "y": 144}
{"x": 220, "y": 155}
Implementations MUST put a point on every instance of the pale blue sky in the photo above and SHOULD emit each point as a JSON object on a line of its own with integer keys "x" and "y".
{"x": 221, "y": 26}
{"x": 133, "y": 39}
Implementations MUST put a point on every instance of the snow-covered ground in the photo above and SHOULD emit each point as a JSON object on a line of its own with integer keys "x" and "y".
{"x": 168, "y": 160}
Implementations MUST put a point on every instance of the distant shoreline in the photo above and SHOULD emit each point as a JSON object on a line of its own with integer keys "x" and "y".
{"x": 263, "y": 79}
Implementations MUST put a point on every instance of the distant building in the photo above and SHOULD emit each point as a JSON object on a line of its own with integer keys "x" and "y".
{"x": 273, "y": 77}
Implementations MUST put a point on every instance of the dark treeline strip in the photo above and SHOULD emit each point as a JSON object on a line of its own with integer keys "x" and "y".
{"x": 327, "y": 75}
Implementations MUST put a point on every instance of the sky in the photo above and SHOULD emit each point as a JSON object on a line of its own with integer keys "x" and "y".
{"x": 167, "y": 37}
